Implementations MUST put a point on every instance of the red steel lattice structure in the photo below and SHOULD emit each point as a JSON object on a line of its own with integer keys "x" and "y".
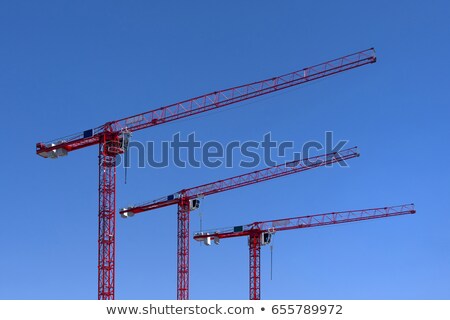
{"x": 109, "y": 148}
{"x": 255, "y": 232}
{"x": 113, "y": 136}
{"x": 183, "y": 198}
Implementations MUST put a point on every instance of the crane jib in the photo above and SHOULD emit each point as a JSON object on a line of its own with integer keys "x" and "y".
{"x": 207, "y": 102}
{"x": 243, "y": 180}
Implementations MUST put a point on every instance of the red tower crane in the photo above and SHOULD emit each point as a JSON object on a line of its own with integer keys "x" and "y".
{"x": 187, "y": 200}
{"x": 112, "y": 139}
{"x": 260, "y": 233}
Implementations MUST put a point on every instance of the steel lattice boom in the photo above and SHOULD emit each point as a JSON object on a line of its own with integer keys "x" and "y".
{"x": 113, "y": 137}
{"x": 259, "y": 233}
{"x": 207, "y": 102}
{"x": 245, "y": 179}
{"x": 184, "y": 197}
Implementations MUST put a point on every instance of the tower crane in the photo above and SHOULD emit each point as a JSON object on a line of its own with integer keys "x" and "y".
{"x": 112, "y": 140}
{"x": 260, "y": 233}
{"x": 188, "y": 199}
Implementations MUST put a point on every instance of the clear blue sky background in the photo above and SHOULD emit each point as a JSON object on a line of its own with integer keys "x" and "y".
{"x": 66, "y": 66}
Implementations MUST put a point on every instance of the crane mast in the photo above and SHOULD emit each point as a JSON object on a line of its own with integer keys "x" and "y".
{"x": 260, "y": 233}
{"x": 112, "y": 138}
{"x": 187, "y": 200}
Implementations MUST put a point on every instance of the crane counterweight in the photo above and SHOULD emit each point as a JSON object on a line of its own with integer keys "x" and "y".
{"x": 52, "y": 153}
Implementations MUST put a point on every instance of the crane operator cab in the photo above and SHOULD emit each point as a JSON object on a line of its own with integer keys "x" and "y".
{"x": 266, "y": 238}
{"x": 194, "y": 204}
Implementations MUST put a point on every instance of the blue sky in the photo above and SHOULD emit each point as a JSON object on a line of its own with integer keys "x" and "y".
{"x": 68, "y": 66}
